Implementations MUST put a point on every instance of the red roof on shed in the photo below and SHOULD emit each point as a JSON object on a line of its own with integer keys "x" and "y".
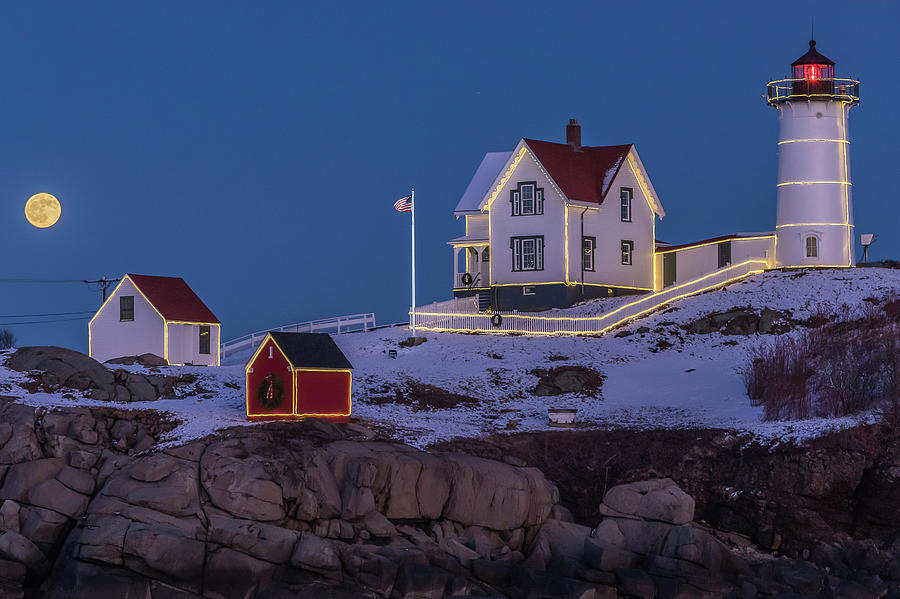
{"x": 173, "y": 298}
{"x": 584, "y": 176}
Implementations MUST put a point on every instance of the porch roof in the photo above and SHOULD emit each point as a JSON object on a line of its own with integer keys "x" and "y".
{"x": 465, "y": 240}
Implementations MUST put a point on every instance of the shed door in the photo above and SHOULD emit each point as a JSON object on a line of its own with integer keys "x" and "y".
{"x": 668, "y": 269}
{"x": 323, "y": 392}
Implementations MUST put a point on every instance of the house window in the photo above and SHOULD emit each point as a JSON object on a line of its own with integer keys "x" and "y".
{"x": 527, "y": 199}
{"x": 812, "y": 247}
{"x": 724, "y": 254}
{"x": 486, "y": 254}
{"x": 625, "y": 194}
{"x": 587, "y": 256}
{"x": 528, "y": 290}
{"x": 204, "y": 339}
{"x": 527, "y": 253}
{"x": 126, "y": 308}
{"x": 627, "y": 251}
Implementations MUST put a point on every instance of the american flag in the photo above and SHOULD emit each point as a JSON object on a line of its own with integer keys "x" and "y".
{"x": 403, "y": 204}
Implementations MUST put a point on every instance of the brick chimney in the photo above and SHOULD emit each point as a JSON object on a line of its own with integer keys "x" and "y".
{"x": 573, "y": 135}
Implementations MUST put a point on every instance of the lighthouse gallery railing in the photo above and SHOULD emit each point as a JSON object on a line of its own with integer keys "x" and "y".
{"x": 783, "y": 90}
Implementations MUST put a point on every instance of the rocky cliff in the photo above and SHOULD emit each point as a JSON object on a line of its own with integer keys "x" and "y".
{"x": 91, "y": 506}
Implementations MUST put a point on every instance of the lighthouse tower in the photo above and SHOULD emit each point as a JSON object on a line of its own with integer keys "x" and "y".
{"x": 815, "y": 212}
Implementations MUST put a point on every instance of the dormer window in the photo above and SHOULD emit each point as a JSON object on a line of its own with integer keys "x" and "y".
{"x": 527, "y": 199}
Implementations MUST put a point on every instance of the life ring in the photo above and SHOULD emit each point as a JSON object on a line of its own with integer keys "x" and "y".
{"x": 467, "y": 279}
{"x": 496, "y": 320}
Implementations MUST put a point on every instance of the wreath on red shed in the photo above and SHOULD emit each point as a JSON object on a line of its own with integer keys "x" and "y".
{"x": 270, "y": 392}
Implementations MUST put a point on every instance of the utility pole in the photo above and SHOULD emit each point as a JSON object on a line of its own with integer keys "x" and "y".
{"x": 103, "y": 284}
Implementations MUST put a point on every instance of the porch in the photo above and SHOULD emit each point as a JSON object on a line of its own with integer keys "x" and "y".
{"x": 471, "y": 264}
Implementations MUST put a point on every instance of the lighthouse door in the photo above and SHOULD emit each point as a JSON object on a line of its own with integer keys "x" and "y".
{"x": 668, "y": 269}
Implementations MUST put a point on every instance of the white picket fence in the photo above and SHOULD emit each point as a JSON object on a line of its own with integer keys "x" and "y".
{"x": 337, "y": 325}
{"x": 456, "y": 317}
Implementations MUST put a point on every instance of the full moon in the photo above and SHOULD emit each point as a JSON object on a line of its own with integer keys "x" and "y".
{"x": 42, "y": 210}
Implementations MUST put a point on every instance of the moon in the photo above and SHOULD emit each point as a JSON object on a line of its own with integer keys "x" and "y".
{"x": 42, "y": 210}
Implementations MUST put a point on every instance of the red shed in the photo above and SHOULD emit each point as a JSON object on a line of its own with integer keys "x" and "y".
{"x": 298, "y": 374}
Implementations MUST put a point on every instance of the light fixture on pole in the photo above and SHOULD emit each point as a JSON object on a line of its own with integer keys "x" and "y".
{"x": 867, "y": 239}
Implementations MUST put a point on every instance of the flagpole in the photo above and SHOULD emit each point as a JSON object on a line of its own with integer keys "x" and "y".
{"x": 413, "y": 220}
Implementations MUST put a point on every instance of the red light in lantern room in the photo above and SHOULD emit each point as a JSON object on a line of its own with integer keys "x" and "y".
{"x": 812, "y": 72}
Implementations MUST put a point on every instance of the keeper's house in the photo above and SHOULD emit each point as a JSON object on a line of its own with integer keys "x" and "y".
{"x": 156, "y": 315}
{"x": 550, "y": 224}
{"x": 294, "y": 375}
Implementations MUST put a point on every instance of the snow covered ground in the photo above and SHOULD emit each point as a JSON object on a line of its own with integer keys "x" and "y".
{"x": 694, "y": 383}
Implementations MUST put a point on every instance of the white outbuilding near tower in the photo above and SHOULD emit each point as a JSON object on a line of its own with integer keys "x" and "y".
{"x": 814, "y": 224}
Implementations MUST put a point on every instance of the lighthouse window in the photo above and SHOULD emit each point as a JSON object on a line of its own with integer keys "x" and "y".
{"x": 625, "y": 194}
{"x": 527, "y": 199}
{"x": 812, "y": 247}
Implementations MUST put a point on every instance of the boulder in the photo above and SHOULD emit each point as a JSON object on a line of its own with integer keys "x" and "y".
{"x": 606, "y": 557}
{"x": 140, "y": 388}
{"x": 315, "y": 554}
{"x": 656, "y": 499}
{"x": 242, "y": 487}
{"x": 263, "y": 541}
{"x": 697, "y": 546}
{"x": 101, "y": 538}
{"x": 232, "y": 574}
{"x": 9, "y": 515}
{"x": 59, "y": 361}
{"x": 148, "y": 359}
{"x": 42, "y": 527}
{"x": 162, "y": 552}
{"x": 18, "y": 548}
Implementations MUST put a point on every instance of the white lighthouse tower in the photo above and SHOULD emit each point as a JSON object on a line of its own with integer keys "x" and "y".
{"x": 815, "y": 212}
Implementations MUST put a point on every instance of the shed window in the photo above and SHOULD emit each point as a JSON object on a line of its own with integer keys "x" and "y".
{"x": 627, "y": 251}
{"x": 625, "y": 194}
{"x": 126, "y": 308}
{"x": 204, "y": 339}
{"x": 812, "y": 247}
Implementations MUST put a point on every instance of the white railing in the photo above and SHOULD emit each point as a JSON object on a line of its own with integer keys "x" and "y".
{"x": 466, "y": 305}
{"x": 337, "y": 324}
{"x": 450, "y": 319}
{"x": 476, "y": 282}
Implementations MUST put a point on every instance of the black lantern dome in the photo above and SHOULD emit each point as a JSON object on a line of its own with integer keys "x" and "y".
{"x": 812, "y": 66}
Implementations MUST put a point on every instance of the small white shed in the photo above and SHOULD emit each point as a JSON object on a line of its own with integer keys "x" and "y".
{"x": 157, "y": 315}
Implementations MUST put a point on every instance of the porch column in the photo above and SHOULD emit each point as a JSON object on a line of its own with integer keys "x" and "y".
{"x": 455, "y": 266}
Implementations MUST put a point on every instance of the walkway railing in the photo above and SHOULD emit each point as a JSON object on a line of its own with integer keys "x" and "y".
{"x": 783, "y": 90}
{"x": 337, "y": 325}
{"x": 449, "y": 319}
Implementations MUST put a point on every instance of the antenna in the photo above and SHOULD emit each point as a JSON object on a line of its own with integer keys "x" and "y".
{"x": 812, "y": 27}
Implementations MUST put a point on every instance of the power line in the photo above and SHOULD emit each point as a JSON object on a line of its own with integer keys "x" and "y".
{"x": 17, "y": 324}
{"x": 42, "y": 315}
{"x": 42, "y": 281}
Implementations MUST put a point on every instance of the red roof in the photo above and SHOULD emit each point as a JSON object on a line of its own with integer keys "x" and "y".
{"x": 173, "y": 298}
{"x": 583, "y": 176}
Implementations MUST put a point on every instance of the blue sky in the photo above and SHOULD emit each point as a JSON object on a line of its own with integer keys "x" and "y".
{"x": 255, "y": 149}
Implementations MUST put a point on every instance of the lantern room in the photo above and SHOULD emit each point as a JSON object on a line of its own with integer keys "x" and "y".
{"x": 812, "y": 78}
{"x": 812, "y": 73}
